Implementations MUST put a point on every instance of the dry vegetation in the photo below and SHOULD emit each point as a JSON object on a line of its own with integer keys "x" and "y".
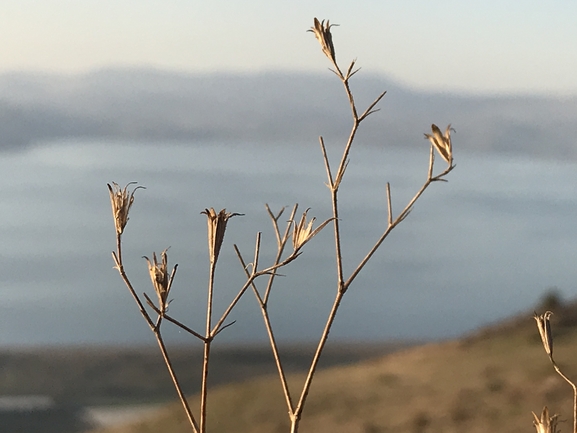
{"x": 485, "y": 382}
{"x": 292, "y": 236}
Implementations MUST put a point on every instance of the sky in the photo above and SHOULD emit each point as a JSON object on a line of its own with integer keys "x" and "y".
{"x": 479, "y": 47}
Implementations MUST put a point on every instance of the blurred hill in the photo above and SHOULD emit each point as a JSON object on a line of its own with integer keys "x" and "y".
{"x": 124, "y": 375}
{"x": 275, "y": 107}
{"x": 488, "y": 381}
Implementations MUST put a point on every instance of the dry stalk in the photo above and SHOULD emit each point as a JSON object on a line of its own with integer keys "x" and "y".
{"x": 217, "y": 223}
{"x": 303, "y": 231}
{"x": 322, "y": 33}
{"x": 549, "y": 424}
{"x": 282, "y": 241}
{"x": 121, "y": 203}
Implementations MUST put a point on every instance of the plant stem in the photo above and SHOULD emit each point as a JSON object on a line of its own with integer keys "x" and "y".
{"x": 181, "y": 395}
{"x": 296, "y": 416}
{"x": 120, "y": 266}
{"x": 207, "y": 343}
{"x": 156, "y": 330}
{"x": 558, "y": 370}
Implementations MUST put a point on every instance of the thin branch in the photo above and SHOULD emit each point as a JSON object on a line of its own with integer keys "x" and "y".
{"x": 256, "y": 254}
{"x": 251, "y": 276}
{"x": 345, "y": 155}
{"x": 172, "y": 320}
{"x": 272, "y": 340}
{"x": 280, "y": 251}
{"x": 312, "y": 370}
{"x": 389, "y": 204}
{"x": 327, "y": 164}
{"x": 117, "y": 257}
{"x": 224, "y": 327}
{"x": 206, "y": 351}
{"x": 275, "y": 222}
{"x": 216, "y": 329}
{"x": 179, "y": 391}
{"x": 370, "y": 110}
{"x": 558, "y": 370}
{"x": 350, "y": 68}
{"x": 400, "y": 217}
{"x": 155, "y": 329}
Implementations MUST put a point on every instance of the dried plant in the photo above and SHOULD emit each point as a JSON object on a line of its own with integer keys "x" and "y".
{"x": 549, "y": 424}
{"x": 161, "y": 280}
{"x": 121, "y": 201}
{"x": 442, "y": 142}
{"x": 300, "y": 230}
{"x": 545, "y": 424}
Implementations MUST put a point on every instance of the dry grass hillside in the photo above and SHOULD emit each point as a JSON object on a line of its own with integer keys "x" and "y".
{"x": 490, "y": 381}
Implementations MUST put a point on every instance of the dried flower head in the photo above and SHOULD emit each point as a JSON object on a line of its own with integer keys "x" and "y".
{"x": 216, "y": 227}
{"x": 322, "y": 32}
{"x": 303, "y": 231}
{"x": 442, "y": 142}
{"x": 544, "y": 326}
{"x": 160, "y": 278}
{"x": 121, "y": 200}
{"x": 547, "y": 424}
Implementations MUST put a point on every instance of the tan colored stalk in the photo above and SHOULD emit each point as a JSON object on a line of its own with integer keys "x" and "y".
{"x": 302, "y": 232}
{"x": 155, "y": 328}
{"x": 217, "y": 223}
{"x": 206, "y": 354}
{"x": 544, "y": 327}
{"x": 323, "y": 35}
{"x": 121, "y": 203}
{"x": 216, "y": 227}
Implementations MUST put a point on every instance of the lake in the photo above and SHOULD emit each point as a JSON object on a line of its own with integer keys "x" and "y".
{"x": 485, "y": 245}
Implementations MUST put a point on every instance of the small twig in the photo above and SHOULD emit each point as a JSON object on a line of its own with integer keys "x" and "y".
{"x": 400, "y": 217}
{"x": 256, "y": 254}
{"x": 216, "y": 329}
{"x": 206, "y": 352}
{"x": 117, "y": 257}
{"x": 275, "y": 222}
{"x": 312, "y": 370}
{"x": 179, "y": 391}
{"x": 173, "y": 320}
{"x": 369, "y": 109}
{"x": 155, "y": 329}
{"x": 558, "y": 370}
{"x": 327, "y": 164}
{"x": 389, "y": 204}
{"x": 280, "y": 251}
{"x": 224, "y": 327}
{"x": 272, "y": 340}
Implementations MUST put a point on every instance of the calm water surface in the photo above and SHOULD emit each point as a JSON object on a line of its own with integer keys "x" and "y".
{"x": 484, "y": 245}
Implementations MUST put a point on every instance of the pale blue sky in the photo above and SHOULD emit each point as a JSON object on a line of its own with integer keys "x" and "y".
{"x": 473, "y": 46}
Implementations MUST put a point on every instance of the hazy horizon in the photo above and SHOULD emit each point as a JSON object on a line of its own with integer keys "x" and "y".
{"x": 150, "y": 105}
{"x": 478, "y": 46}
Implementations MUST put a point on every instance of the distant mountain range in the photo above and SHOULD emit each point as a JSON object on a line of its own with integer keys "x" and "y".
{"x": 153, "y": 105}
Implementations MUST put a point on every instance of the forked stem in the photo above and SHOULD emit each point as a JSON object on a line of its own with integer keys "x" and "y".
{"x": 322, "y": 33}
{"x": 155, "y": 327}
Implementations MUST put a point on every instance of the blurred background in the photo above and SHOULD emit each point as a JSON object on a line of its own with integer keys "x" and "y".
{"x": 220, "y": 104}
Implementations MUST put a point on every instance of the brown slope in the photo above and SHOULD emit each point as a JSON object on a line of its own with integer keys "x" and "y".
{"x": 490, "y": 381}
